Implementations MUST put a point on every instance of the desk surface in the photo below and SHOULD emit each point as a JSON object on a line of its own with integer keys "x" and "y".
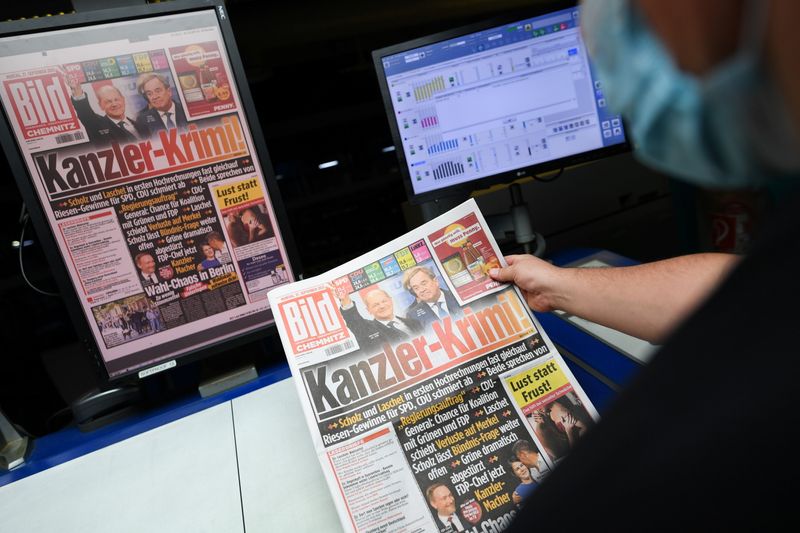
{"x": 243, "y": 465}
{"x": 182, "y": 476}
{"x": 282, "y": 485}
{"x": 69, "y": 444}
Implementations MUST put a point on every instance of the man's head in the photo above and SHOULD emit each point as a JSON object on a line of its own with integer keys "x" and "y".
{"x": 710, "y": 89}
{"x": 379, "y": 304}
{"x": 215, "y": 240}
{"x": 441, "y": 498}
{"x": 111, "y": 102}
{"x": 250, "y": 218}
{"x": 558, "y": 411}
{"x": 684, "y": 27}
{"x": 156, "y": 90}
{"x": 526, "y": 453}
{"x": 422, "y": 283}
{"x": 146, "y": 263}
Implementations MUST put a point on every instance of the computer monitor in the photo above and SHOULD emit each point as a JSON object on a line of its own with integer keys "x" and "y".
{"x": 495, "y": 102}
{"x": 134, "y": 141}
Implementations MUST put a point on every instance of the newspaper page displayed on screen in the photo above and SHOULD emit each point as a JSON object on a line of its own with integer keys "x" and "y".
{"x": 435, "y": 400}
{"x": 138, "y": 148}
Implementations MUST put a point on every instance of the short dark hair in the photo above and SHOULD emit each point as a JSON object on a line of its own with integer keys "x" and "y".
{"x": 429, "y": 490}
{"x": 140, "y": 255}
{"x": 375, "y": 288}
{"x": 523, "y": 445}
{"x": 145, "y": 78}
{"x": 513, "y": 459}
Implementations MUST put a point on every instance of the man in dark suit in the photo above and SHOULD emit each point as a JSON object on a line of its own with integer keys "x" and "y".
{"x": 161, "y": 112}
{"x": 113, "y": 125}
{"x": 441, "y": 499}
{"x": 432, "y": 302}
{"x": 385, "y": 327}
{"x": 147, "y": 268}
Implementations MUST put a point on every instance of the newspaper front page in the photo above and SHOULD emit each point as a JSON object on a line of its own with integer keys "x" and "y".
{"x": 435, "y": 400}
{"x": 142, "y": 158}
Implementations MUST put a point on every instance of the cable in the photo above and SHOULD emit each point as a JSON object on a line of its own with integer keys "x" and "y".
{"x": 550, "y": 180}
{"x": 21, "y": 264}
{"x": 48, "y": 424}
{"x": 541, "y": 245}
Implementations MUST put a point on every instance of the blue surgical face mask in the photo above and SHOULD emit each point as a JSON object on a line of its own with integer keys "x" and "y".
{"x": 730, "y": 128}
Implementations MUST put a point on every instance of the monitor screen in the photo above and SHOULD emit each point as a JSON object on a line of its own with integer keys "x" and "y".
{"x": 137, "y": 150}
{"x": 495, "y": 102}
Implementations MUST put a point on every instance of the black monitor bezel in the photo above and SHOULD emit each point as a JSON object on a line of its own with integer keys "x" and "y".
{"x": 464, "y": 189}
{"x": 42, "y": 227}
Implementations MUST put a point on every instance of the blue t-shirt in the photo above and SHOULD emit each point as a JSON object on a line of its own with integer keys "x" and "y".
{"x": 525, "y": 489}
{"x": 210, "y": 263}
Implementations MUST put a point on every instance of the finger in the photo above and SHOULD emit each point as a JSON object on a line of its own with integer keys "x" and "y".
{"x": 511, "y": 259}
{"x": 502, "y": 274}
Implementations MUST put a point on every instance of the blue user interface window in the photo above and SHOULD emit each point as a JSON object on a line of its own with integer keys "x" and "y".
{"x": 496, "y": 100}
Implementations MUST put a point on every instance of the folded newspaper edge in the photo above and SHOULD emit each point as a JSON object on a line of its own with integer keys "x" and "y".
{"x": 435, "y": 400}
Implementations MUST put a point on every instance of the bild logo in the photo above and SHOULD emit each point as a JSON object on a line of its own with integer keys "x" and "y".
{"x": 40, "y": 100}
{"x": 312, "y": 321}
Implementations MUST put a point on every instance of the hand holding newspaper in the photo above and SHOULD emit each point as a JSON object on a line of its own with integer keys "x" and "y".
{"x": 435, "y": 400}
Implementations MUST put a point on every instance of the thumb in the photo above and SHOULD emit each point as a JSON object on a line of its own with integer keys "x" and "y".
{"x": 502, "y": 274}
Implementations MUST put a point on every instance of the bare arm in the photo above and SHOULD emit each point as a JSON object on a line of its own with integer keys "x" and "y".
{"x": 574, "y": 429}
{"x": 647, "y": 301}
{"x": 548, "y": 435}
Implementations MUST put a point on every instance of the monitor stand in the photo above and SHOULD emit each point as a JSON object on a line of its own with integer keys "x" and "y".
{"x": 517, "y": 221}
{"x": 228, "y": 380}
{"x": 92, "y": 402}
{"x": 13, "y": 446}
{"x": 99, "y": 408}
{"x": 234, "y": 367}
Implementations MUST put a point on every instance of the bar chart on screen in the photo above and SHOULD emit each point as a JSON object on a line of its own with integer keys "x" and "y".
{"x": 437, "y": 145}
{"x": 448, "y": 169}
{"x": 428, "y": 117}
{"x": 425, "y": 90}
{"x": 494, "y": 102}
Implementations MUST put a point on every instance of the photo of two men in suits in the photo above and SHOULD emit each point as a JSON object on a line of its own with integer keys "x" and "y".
{"x": 384, "y": 327}
{"x": 115, "y": 123}
{"x": 431, "y": 302}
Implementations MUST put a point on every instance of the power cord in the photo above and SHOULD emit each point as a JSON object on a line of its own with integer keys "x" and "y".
{"x": 551, "y": 179}
{"x": 49, "y": 425}
{"x": 24, "y": 220}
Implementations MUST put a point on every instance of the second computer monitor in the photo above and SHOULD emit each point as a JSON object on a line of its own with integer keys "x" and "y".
{"x": 495, "y": 102}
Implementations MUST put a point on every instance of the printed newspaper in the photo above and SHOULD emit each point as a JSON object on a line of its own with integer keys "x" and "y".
{"x": 435, "y": 400}
{"x": 142, "y": 159}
